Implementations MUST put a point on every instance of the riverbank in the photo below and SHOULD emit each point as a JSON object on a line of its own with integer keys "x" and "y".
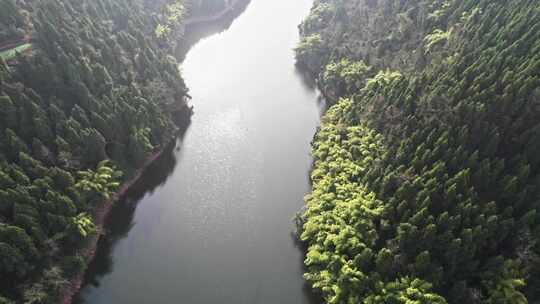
{"x": 100, "y": 215}
{"x": 230, "y": 6}
{"x": 313, "y": 77}
{"x": 88, "y": 252}
{"x": 216, "y": 227}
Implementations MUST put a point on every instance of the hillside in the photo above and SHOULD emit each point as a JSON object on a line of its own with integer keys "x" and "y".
{"x": 426, "y": 173}
{"x": 80, "y": 111}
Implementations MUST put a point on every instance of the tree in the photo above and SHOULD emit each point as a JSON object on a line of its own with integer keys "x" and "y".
{"x": 310, "y": 50}
{"x": 12, "y": 262}
{"x": 505, "y": 287}
{"x": 8, "y": 113}
{"x": 139, "y": 145}
{"x": 62, "y": 179}
{"x": 83, "y": 226}
{"x": 100, "y": 183}
{"x": 404, "y": 291}
{"x": 93, "y": 77}
{"x": 103, "y": 79}
{"x": 94, "y": 144}
{"x": 344, "y": 77}
{"x": 14, "y": 145}
{"x": 18, "y": 253}
{"x": 5, "y": 300}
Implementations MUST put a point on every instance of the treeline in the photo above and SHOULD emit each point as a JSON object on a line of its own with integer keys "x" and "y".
{"x": 94, "y": 98}
{"x": 426, "y": 181}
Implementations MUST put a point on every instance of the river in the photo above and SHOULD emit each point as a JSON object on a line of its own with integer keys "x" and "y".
{"x": 211, "y": 222}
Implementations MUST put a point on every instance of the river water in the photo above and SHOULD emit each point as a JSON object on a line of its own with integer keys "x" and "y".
{"x": 211, "y": 222}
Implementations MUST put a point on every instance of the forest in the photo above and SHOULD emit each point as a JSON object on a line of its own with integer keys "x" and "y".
{"x": 425, "y": 184}
{"x": 95, "y": 92}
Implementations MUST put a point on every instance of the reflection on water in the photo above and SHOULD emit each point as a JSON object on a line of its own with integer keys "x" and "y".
{"x": 211, "y": 222}
{"x": 120, "y": 220}
{"x": 307, "y": 79}
{"x": 310, "y": 83}
{"x": 196, "y": 32}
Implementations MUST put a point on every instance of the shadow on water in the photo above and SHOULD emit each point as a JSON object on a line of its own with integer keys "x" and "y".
{"x": 307, "y": 77}
{"x": 120, "y": 220}
{"x": 310, "y": 83}
{"x": 196, "y": 32}
{"x": 313, "y": 296}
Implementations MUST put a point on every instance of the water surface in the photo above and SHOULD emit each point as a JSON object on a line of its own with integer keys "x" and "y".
{"x": 211, "y": 222}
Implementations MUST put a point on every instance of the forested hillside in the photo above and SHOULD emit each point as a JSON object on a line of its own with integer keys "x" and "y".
{"x": 205, "y": 6}
{"x": 79, "y": 112}
{"x": 11, "y": 21}
{"x": 426, "y": 180}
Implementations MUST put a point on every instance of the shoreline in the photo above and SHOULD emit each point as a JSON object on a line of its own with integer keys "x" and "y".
{"x": 314, "y": 76}
{"x": 101, "y": 213}
{"x": 89, "y": 250}
{"x": 231, "y": 5}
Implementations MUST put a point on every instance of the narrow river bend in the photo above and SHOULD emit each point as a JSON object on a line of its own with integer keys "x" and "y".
{"x": 212, "y": 221}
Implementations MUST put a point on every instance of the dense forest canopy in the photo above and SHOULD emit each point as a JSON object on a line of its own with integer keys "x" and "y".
{"x": 80, "y": 111}
{"x": 12, "y": 21}
{"x": 426, "y": 181}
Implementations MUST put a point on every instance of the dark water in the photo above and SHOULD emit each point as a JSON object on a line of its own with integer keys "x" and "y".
{"x": 211, "y": 222}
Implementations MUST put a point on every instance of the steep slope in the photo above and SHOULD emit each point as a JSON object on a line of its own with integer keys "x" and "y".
{"x": 97, "y": 85}
{"x": 426, "y": 175}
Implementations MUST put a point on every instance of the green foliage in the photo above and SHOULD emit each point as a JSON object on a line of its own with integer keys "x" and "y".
{"x": 73, "y": 265}
{"x": 172, "y": 14}
{"x": 434, "y": 39}
{"x": 319, "y": 17}
{"x": 309, "y": 51}
{"x": 5, "y": 301}
{"x": 14, "y": 52}
{"x": 8, "y": 113}
{"x": 18, "y": 253}
{"x": 96, "y": 84}
{"x": 340, "y": 215}
{"x": 102, "y": 182}
{"x": 48, "y": 289}
{"x": 344, "y": 76}
{"x": 83, "y": 225}
{"x": 505, "y": 284}
{"x": 162, "y": 31}
{"x": 435, "y": 198}
{"x": 381, "y": 80}
{"x": 404, "y": 291}
{"x": 12, "y": 21}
